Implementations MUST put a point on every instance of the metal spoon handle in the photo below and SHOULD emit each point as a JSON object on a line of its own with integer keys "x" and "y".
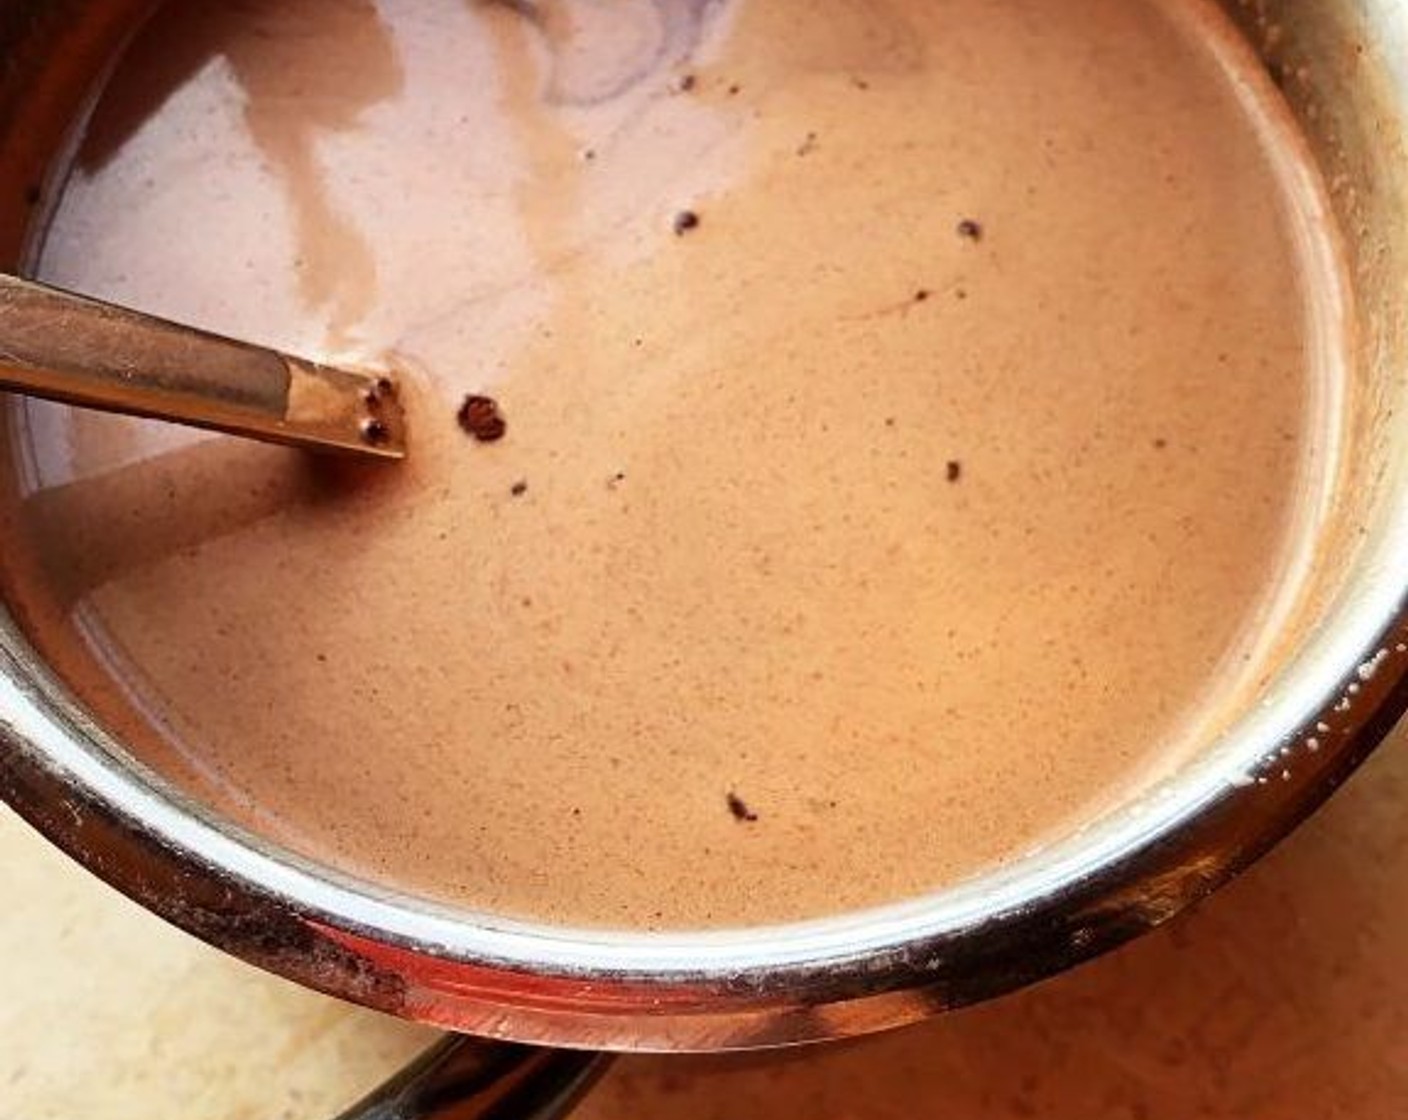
{"x": 70, "y": 348}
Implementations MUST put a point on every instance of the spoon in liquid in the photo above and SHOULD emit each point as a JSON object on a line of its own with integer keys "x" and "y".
{"x": 66, "y": 347}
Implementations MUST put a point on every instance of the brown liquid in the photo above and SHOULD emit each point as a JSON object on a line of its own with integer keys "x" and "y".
{"x": 923, "y": 498}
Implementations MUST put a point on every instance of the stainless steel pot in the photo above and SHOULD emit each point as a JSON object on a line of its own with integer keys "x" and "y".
{"x": 1342, "y": 683}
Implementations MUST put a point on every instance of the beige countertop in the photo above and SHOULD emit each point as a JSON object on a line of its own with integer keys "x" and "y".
{"x": 1284, "y": 998}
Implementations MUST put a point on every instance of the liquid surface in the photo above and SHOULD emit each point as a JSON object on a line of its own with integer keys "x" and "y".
{"x": 913, "y": 413}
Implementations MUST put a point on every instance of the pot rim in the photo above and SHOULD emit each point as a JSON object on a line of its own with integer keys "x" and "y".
{"x": 718, "y": 990}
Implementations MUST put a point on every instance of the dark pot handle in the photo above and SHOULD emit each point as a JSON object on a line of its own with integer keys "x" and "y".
{"x": 465, "y": 1078}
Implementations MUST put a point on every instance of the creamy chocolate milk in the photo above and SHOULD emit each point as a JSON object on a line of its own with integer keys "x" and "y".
{"x": 914, "y": 416}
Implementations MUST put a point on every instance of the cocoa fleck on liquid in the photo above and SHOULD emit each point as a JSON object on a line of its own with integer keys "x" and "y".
{"x": 480, "y": 418}
{"x": 935, "y": 547}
